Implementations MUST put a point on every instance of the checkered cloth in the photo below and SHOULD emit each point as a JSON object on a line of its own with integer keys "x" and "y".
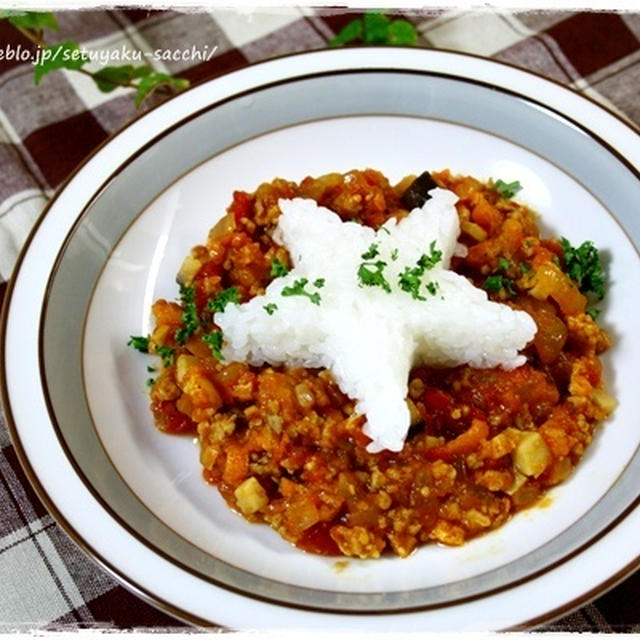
{"x": 45, "y": 131}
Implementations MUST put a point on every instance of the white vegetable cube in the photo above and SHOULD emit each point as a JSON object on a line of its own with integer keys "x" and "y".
{"x": 532, "y": 456}
{"x": 251, "y": 496}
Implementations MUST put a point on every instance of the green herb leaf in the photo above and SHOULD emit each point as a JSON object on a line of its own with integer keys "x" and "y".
{"x": 376, "y": 28}
{"x": 427, "y": 262}
{"x": 66, "y": 55}
{"x": 507, "y": 189}
{"x": 278, "y": 269}
{"x": 214, "y": 340}
{"x": 351, "y": 31}
{"x": 371, "y": 274}
{"x": 497, "y": 282}
{"x": 298, "y": 289}
{"x": 583, "y": 266}
{"x": 371, "y": 253}
{"x": 432, "y": 287}
{"x": 394, "y": 255}
{"x": 524, "y": 267}
{"x": 270, "y": 308}
{"x": 190, "y": 319}
{"x": 503, "y": 264}
{"x": 150, "y": 83}
{"x": 410, "y": 280}
{"x": 402, "y": 32}
{"x": 319, "y": 283}
{"x": 222, "y": 299}
{"x": 109, "y": 78}
{"x": 141, "y": 343}
{"x": 31, "y": 19}
{"x": 166, "y": 353}
{"x": 593, "y": 312}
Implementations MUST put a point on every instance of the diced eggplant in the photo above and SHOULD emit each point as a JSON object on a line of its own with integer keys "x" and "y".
{"x": 418, "y": 192}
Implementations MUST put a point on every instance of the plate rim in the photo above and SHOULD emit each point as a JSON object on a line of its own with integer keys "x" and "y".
{"x": 35, "y": 481}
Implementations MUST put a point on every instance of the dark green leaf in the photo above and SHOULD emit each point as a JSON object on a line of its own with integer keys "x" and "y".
{"x": 153, "y": 81}
{"x": 190, "y": 318}
{"x": 507, "y": 189}
{"x": 109, "y": 78}
{"x": 270, "y": 308}
{"x": 583, "y": 266}
{"x": 66, "y": 55}
{"x": 298, "y": 289}
{"x": 31, "y": 19}
{"x": 222, "y": 299}
{"x": 166, "y": 353}
{"x": 214, "y": 340}
{"x": 350, "y": 32}
{"x": 141, "y": 343}
{"x": 402, "y": 32}
{"x": 278, "y": 269}
{"x": 376, "y": 28}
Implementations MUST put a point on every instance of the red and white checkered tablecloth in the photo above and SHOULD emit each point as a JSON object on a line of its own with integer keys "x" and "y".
{"x": 45, "y": 131}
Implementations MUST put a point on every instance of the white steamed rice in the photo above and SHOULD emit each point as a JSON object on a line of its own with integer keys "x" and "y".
{"x": 368, "y": 338}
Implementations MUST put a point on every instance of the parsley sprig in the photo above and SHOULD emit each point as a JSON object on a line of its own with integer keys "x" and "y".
{"x": 410, "y": 280}
{"x": 222, "y": 299}
{"x": 370, "y": 272}
{"x": 278, "y": 269}
{"x": 507, "y": 189}
{"x": 583, "y": 266}
{"x": 500, "y": 281}
{"x": 214, "y": 340}
{"x": 298, "y": 289}
{"x": 190, "y": 319}
{"x": 140, "y": 343}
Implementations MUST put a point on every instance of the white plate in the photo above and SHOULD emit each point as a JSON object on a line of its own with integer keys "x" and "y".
{"x": 113, "y": 239}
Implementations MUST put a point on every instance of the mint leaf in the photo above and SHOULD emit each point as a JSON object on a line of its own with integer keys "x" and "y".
{"x": 31, "y": 19}
{"x": 109, "y": 78}
{"x": 66, "y": 55}
{"x": 154, "y": 81}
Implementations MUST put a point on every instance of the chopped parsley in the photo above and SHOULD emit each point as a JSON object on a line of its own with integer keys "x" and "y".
{"x": 319, "y": 283}
{"x": 190, "y": 319}
{"x": 427, "y": 262}
{"x": 497, "y": 282}
{"x": 270, "y": 308}
{"x": 394, "y": 255}
{"x": 583, "y": 266}
{"x": 410, "y": 280}
{"x": 278, "y": 269}
{"x": 141, "y": 343}
{"x": 166, "y": 353}
{"x": 214, "y": 340}
{"x": 524, "y": 267}
{"x": 503, "y": 264}
{"x": 507, "y": 189}
{"x": 593, "y": 312}
{"x": 223, "y": 298}
{"x": 370, "y": 275}
{"x": 150, "y": 382}
{"x": 432, "y": 287}
{"x": 371, "y": 253}
{"x": 298, "y": 289}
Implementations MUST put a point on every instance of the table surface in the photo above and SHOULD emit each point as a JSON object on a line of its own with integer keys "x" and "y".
{"x": 45, "y": 131}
